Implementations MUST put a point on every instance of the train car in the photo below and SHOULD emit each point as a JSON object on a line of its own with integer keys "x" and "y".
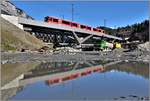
{"x": 83, "y": 26}
{"x": 65, "y": 22}
{"x": 55, "y": 20}
{"x": 74, "y": 24}
{"x": 95, "y": 29}
{"x": 51, "y": 20}
{"x": 89, "y": 28}
{"x": 98, "y": 30}
{"x": 103, "y": 31}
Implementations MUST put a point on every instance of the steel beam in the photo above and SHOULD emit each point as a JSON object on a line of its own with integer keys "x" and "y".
{"x": 86, "y": 38}
{"x": 77, "y": 38}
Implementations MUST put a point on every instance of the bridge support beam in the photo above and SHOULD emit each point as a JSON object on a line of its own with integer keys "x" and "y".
{"x": 77, "y": 38}
{"x": 80, "y": 42}
{"x": 86, "y": 38}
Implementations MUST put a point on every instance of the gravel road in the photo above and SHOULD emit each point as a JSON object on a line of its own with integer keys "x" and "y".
{"x": 115, "y": 55}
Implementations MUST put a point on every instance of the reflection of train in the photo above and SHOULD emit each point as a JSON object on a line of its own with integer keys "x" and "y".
{"x": 72, "y": 76}
{"x": 55, "y": 20}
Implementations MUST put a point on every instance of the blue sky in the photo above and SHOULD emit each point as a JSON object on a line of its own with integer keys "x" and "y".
{"x": 93, "y": 13}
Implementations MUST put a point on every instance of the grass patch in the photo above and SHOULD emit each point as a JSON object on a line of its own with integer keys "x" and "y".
{"x": 8, "y": 47}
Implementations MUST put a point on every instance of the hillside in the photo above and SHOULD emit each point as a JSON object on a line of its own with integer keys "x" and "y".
{"x": 138, "y": 31}
{"x": 13, "y": 38}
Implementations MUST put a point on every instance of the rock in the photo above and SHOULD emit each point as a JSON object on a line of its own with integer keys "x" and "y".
{"x": 67, "y": 49}
{"x": 122, "y": 97}
{"x": 9, "y": 8}
{"x": 4, "y": 61}
{"x": 126, "y": 60}
{"x": 144, "y": 47}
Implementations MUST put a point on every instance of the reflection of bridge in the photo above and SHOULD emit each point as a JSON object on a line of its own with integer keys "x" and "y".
{"x": 57, "y": 33}
{"x": 50, "y": 70}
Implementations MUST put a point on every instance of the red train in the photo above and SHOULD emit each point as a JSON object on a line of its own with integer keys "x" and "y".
{"x": 71, "y": 24}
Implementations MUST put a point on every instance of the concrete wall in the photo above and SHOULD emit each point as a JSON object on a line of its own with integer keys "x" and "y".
{"x": 13, "y": 20}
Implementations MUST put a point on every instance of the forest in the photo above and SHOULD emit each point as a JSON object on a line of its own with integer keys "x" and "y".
{"x": 138, "y": 31}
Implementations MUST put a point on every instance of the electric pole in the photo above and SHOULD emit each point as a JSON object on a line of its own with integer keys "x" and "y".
{"x": 114, "y": 26}
{"x": 72, "y": 12}
{"x": 104, "y": 22}
{"x": 63, "y": 16}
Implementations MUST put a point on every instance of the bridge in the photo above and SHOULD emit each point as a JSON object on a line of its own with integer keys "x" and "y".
{"x": 59, "y": 33}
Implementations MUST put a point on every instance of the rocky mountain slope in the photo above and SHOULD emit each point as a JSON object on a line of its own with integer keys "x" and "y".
{"x": 8, "y": 8}
{"x": 13, "y": 38}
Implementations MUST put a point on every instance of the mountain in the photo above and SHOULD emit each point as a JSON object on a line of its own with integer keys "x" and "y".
{"x": 9, "y": 8}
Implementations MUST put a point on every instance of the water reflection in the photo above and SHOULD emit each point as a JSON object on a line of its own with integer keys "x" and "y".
{"x": 91, "y": 78}
{"x": 136, "y": 68}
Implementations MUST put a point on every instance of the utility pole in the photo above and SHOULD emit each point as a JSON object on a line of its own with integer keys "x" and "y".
{"x": 72, "y": 12}
{"x": 63, "y": 16}
{"x": 104, "y": 22}
{"x": 114, "y": 26}
{"x": 115, "y": 30}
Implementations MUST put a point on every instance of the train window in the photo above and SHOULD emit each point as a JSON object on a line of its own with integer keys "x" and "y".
{"x": 82, "y": 26}
{"x": 89, "y": 28}
{"x": 74, "y": 25}
{"x": 46, "y": 19}
{"x": 55, "y": 20}
{"x": 65, "y": 22}
{"x": 94, "y": 29}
